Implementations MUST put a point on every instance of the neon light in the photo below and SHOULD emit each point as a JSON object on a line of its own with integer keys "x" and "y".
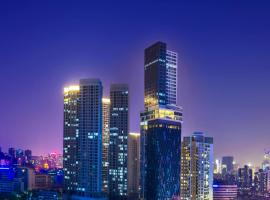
{"x": 4, "y": 168}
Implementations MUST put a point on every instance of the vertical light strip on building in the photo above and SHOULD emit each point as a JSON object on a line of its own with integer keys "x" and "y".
{"x": 105, "y": 142}
{"x": 133, "y": 165}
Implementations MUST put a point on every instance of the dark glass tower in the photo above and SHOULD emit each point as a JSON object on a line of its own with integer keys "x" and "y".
{"x": 161, "y": 124}
{"x": 155, "y": 75}
{"x": 118, "y": 147}
{"x": 163, "y": 156}
{"x": 71, "y": 125}
{"x": 227, "y": 163}
{"x": 90, "y": 138}
{"x": 160, "y": 75}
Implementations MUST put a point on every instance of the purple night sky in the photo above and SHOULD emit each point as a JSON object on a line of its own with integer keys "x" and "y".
{"x": 224, "y": 70}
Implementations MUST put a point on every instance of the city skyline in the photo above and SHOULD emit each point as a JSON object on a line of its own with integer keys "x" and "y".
{"x": 222, "y": 78}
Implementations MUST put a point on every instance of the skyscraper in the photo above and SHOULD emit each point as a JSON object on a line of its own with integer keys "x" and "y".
{"x": 118, "y": 148}
{"x": 133, "y": 165}
{"x": 262, "y": 181}
{"x": 90, "y": 138}
{"x": 244, "y": 178}
{"x": 105, "y": 143}
{"x": 227, "y": 164}
{"x": 160, "y": 75}
{"x": 197, "y": 167}
{"x": 161, "y": 123}
{"x": 71, "y": 125}
{"x": 11, "y": 152}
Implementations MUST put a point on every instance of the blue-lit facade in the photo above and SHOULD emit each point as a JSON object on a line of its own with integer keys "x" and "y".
{"x": 90, "y": 138}
{"x": 118, "y": 147}
{"x": 9, "y": 182}
{"x": 161, "y": 124}
{"x": 162, "y": 152}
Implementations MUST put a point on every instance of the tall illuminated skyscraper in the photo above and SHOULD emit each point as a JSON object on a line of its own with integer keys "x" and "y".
{"x": 161, "y": 123}
{"x": 197, "y": 167}
{"x": 118, "y": 148}
{"x": 71, "y": 125}
{"x": 105, "y": 142}
{"x": 90, "y": 138}
{"x": 160, "y": 75}
{"x": 133, "y": 165}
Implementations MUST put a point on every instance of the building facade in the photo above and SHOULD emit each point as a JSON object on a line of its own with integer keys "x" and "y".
{"x": 118, "y": 147}
{"x": 161, "y": 123}
{"x": 197, "y": 167}
{"x": 105, "y": 143}
{"x": 71, "y": 128}
{"x": 224, "y": 192}
{"x": 171, "y": 74}
{"x": 227, "y": 165}
{"x": 244, "y": 178}
{"x": 90, "y": 138}
{"x": 133, "y": 165}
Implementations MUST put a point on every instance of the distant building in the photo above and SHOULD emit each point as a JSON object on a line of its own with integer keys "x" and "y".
{"x": 105, "y": 142}
{"x": 42, "y": 181}
{"x": 244, "y": 179}
{"x": 197, "y": 167}
{"x": 11, "y": 152}
{"x": 266, "y": 162}
{"x": 217, "y": 167}
{"x": 27, "y": 175}
{"x": 28, "y": 155}
{"x": 46, "y": 195}
{"x": 262, "y": 181}
{"x": 133, "y": 165}
{"x": 9, "y": 182}
{"x": 70, "y": 140}
{"x": 227, "y": 165}
{"x": 224, "y": 192}
{"x": 118, "y": 148}
{"x": 12, "y": 155}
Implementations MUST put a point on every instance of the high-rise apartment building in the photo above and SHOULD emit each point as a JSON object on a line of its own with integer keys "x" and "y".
{"x": 197, "y": 167}
{"x": 133, "y": 165}
{"x": 161, "y": 123}
{"x": 71, "y": 125}
{"x": 105, "y": 142}
{"x": 118, "y": 147}
{"x": 90, "y": 138}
